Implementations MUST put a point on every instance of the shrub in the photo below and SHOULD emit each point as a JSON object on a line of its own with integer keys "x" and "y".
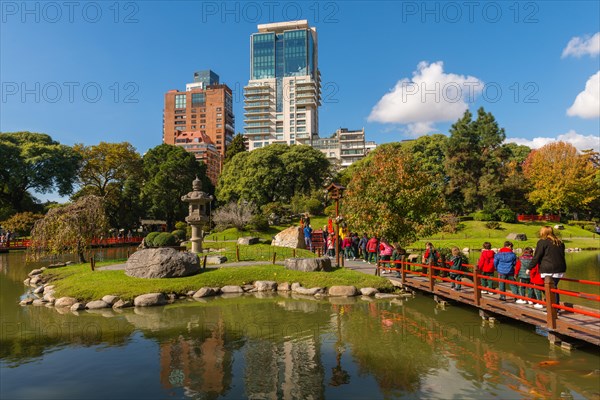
{"x": 181, "y": 226}
{"x": 492, "y": 225}
{"x": 165, "y": 239}
{"x": 450, "y": 223}
{"x": 482, "y": 216}
{"x": 259, "y": 223}
{"x": 590, "y": 227}
{"x": 330, "y": 211}
{"x": 506, "y": 215}
{"x": 149, "y": 240}
{"x": 179, "y": 234}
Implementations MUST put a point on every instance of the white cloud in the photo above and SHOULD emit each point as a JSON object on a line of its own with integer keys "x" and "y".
{"x": 587, "y": 103}
{"x": 581, "y": 142}
{"x": 430, "y": 96}
{"x": 580, "y": 46}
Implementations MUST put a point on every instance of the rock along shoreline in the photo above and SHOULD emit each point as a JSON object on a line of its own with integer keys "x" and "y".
{"x": 43, "y": 294}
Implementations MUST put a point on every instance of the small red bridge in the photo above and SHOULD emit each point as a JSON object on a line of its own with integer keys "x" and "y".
{"x": 566, "y": 323}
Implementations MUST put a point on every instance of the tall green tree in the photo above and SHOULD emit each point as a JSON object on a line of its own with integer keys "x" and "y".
{"x": 474, "y": 162}
{"x": 237, "y": 145}
{"x": 562, "y": 179}
{"x": 392, "y": 196}
{"x": 105, "y": 170}
{"x": 273, "y": 173}
{"x": 514, "y": 186}
{"x": 169, "y": 172}
{"x": 34, "y": 162}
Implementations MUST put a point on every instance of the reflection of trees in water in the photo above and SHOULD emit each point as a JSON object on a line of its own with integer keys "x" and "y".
{"x": 487, "y": 359}
{"x": 395, "y": 353}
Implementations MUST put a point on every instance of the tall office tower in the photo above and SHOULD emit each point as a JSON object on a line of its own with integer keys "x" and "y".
{"x": 201, "y": 119}
{"x": 284, "y": 92}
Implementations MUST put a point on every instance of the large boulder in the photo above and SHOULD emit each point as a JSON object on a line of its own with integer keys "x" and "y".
{"x": 248, "y": 240}
{"x": 162, "y": 263}
{"x": 308, "y": 264}
{"x": 517, "y": 236}
{"x": 292, "y": 237}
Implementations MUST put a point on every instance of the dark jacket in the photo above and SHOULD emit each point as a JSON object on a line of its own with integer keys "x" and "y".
{"x": 456, "y": 263}
{"x": 551, "y": 258}
{"x": 523, "y": 264}
{"x": 505, "y": 261}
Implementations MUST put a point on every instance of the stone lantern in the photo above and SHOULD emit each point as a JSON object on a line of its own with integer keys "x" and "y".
{"x": 199, "y": 213}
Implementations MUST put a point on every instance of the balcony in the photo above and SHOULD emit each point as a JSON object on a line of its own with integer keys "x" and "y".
{"x": 259, "y": 104}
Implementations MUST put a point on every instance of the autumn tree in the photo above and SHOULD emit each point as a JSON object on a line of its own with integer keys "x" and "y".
{"x": 168, "y": 175}
{"x": 562, "y": 180}
{"x": 474, "y": 162}
{"x": 69, "y": 229}
{"x": 33, "y": 162}
{"x": 111, "y": 171}
{"x": 392, "y": 196}
{"x": 21, "y": 223}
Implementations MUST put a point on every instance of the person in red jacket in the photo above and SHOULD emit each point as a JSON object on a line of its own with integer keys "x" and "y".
{"x": 372, "y": 246}
{"x": 385, "y": 251}
{"x": 347, "y": 247}
{"x": 535, "y": 278}
{"x": 485, "y": 266}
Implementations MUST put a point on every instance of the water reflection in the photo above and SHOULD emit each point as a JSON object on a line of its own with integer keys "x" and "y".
{"x": 284, "y": 346}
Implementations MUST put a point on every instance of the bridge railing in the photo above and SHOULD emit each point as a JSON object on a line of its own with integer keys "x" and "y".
{"x": 435, "y": 274}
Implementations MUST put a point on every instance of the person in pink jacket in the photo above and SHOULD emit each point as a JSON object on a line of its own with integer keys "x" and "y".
{"x": 385, "y": 253}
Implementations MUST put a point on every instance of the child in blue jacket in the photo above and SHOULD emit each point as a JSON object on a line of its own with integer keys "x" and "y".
{"x": 504, "y": 262}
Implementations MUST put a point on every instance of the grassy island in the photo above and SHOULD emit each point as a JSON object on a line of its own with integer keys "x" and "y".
{"x": 80, "y": 282}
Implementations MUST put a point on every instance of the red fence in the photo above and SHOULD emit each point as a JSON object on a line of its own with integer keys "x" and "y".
{"x": 585, "y": 319}
{"x": 534, "y": 218}
{"x": 20, "y": 244}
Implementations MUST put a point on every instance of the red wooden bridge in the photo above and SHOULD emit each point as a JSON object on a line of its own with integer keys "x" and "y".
{"x": 24, "y": 244}
{"x": 566, "y": 323}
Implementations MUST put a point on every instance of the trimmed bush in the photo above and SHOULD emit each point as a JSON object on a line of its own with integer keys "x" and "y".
{"x": 506, "y": 215}
{"x": 181, "y": 226}
{"x": 482, "y": 216}
{"x": 165, "y": 239}
{"x": 150, "y": 238}
{"x": 590, "y": 227}
{"x": 492, "y": 225}
{"x": 179, "y": 234}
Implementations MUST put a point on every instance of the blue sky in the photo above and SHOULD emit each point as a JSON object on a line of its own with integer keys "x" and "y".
{"x": 55, "y": 59}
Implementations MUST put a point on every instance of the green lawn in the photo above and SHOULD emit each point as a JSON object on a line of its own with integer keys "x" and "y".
{"x": 80, "y": 282}
{"x": 475, "y": 233}
{"x": 256, "y": 252}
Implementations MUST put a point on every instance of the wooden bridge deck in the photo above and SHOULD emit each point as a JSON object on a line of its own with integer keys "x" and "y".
{"x": 570, "y": 324}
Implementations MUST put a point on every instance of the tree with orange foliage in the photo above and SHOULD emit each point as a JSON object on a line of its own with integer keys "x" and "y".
{"x": 392, "y": 196}
{"x": 562, "y": 180}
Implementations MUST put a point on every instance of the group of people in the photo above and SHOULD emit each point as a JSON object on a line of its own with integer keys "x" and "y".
{"x": 5, "y": 238}
{"x": 531, "y": 267}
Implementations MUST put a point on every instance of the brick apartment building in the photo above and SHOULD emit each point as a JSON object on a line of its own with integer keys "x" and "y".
{"x": 201, "y": 120}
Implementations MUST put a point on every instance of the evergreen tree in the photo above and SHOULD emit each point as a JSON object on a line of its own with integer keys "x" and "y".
{"x": 237, "y": 145}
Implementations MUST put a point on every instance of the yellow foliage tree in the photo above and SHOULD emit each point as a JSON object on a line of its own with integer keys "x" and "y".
{"x": 561, "y": 179}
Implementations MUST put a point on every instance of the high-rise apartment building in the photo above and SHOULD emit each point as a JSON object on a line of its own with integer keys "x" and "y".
{"x": 345, "y": 146}
{"x": 284, "y": 92}
{"x": 200, "y": 119}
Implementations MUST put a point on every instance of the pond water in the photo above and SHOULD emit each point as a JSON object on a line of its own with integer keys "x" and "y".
{"x": 280, "y": 346}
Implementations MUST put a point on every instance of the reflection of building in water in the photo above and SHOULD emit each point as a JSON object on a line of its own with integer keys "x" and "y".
{"x": 200, "y": 366}
{"x": 289, "y": 370}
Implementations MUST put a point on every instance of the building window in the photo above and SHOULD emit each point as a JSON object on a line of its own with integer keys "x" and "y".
{"x": 198, "y": 99}
{"x": 219, "y": 114}
{"x": 219, "y": 109}
{"x": 180, "y": 101}
{"x": 292, "y": 122}
{"x": 257, "y": 144}
{"x": 301, "y": 122}
{"x": 292, "y": 129}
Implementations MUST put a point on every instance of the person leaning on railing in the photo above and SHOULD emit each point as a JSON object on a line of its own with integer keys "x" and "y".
{"x": 550, "y": 256}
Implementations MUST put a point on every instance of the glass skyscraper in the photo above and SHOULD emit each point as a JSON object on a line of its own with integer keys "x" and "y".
{"x": 284, "y": 91}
